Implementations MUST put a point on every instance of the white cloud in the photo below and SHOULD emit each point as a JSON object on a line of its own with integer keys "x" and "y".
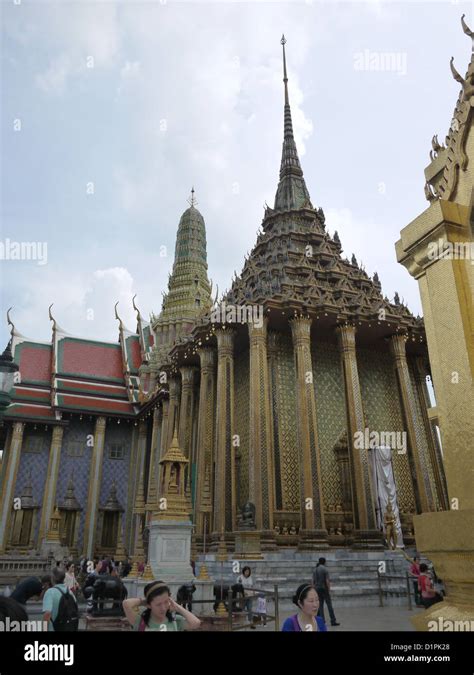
{"x": 53, "y": 80}
{"x": 83, "y": 304}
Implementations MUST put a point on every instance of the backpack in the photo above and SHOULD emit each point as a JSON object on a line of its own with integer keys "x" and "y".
{"x": 68, "y": 614}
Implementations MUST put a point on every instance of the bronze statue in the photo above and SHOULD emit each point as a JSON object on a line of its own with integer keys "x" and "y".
{"x": 247, "y": 521}
{"x": 390, "y": 526}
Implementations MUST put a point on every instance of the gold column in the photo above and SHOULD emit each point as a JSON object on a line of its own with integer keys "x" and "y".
{"x": 261, "y": 472}
{"x": 95, "y": 476}
{"x": 49, "y": 495}
{"x": 413, "y": 425}
{"x": 173, "y": 410}
{"x": 163, "y": 440}
{"x": 186, "y": 415}
{"x": 205, "y": 438}
{"x": 366, "y": 533}
{"x": 433, "y": 445}
{"x": 10, "y": 471}
{"x": 152, "y": 492}
{"x": 313, "y": 531}
{"x": 186, "y": 405}
{"x": 224, "y": 506}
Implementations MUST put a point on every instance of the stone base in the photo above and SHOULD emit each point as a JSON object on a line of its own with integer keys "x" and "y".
{"x": 215, "y": 538}
{"x": 169, "y": 550}
{"x": 447, "y": 539}
{"x": 267, "y": 540}
{"x": 204, "y": 592}
{"x": 368, "y": 540}
{"x": 248, "y": 545}
{"x": 313, "y": 540}
{"x": 53, "y": 549}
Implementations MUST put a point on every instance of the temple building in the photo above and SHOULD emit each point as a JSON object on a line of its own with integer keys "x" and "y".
{"x": 279, "y": 394}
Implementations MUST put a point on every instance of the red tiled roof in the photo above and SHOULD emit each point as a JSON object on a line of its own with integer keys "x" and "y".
{"x": 96, "y": 360}
{"x": 34, "y": 361}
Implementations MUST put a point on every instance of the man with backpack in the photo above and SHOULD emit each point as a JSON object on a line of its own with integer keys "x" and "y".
{"x": 59, "y": 605}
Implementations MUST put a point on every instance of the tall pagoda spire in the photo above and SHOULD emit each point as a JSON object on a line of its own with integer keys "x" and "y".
{"x": 189, "y": 290}
{"x": 292, "y": 192}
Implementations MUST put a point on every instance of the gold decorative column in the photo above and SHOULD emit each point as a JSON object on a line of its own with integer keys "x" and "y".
{"x": 186, "y": 409}
{"x": 139, "y": 513}
{"x": 164, "y": 437}
{"x": 261, "y": 471}
{"x": 224, "y": 500}
{"x": 10, "y": 471}
{"x": 205, "y": 438}
{"x": 173, "y": 410}
{"x": 366, "y": 534}
{"x": 313, "y": 533}
{"x": 413, "y": 426}
{"x": 49, "y": 495}
{"x": 95, "y": 476}
{"x": 186, "y": 416}
{"x": 433, "y": 444}
{"x": 152, "y": 492}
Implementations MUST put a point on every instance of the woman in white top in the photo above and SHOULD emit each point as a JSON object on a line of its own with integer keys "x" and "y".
{"x": 70, "y": 578}
{"x": 246, "y": 581}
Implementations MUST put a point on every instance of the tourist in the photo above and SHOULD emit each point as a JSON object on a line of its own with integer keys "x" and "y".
{"x": 70, "y": 578}
{"x": 322, "y": 584}
{"x": 158, "y": 613}
{"x": 246, "y": 581}
{"x": 415, "y": 573}
{"x": 425, "y": 585}
{"x": 126, "y": 568}
{"x": 60, "y": 605}
{"x": 261, "y": 610}
{"x": 31, "y": 587}
{"x": 307, "y": 618}
{"x": 11, "y": 609}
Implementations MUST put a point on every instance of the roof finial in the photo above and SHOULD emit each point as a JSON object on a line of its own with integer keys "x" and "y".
{"x": 468, "y": 31}
{"x": 285, "y": 76}
{"x": 117, "y": 316}
{"x": 10, "y": 322}
{"x": 192, "y": 200}
{"x": 51, "y": 317}
{"x": 139, "y": 316}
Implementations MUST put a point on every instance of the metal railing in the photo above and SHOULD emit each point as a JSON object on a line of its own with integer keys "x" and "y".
{"x": 387, "y": 591}
{"x": 230, "y": 604}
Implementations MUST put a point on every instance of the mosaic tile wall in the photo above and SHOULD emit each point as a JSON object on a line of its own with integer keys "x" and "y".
{"x": 331, "y": 414}
{"x": 424, "y": 445}
{"x": 241, "y": 419}
{"x": 76, "y": 436}
{"x": 37, "y": 463}
{"x": 383, "y": 413}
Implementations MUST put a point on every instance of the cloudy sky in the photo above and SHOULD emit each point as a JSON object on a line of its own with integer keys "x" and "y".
{"x": 113, "y": 110}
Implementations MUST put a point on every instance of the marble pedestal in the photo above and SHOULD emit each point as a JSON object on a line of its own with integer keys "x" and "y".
{"x": 169, "y": 550}
{"x": 247, "y": 545}
{"x": 204, "y": 591}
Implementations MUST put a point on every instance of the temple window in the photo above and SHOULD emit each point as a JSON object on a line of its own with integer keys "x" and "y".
{"x": 116, "y": 451}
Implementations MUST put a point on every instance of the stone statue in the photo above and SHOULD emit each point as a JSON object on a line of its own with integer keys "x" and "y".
{"x": 174, "y": 477}
{"x": 276, "y": 529}
{"x": 293, "y": 530}
{"x": 247, "y": 521}
{"x": 390, "y": 526}
{"x": 284, "y": 530}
